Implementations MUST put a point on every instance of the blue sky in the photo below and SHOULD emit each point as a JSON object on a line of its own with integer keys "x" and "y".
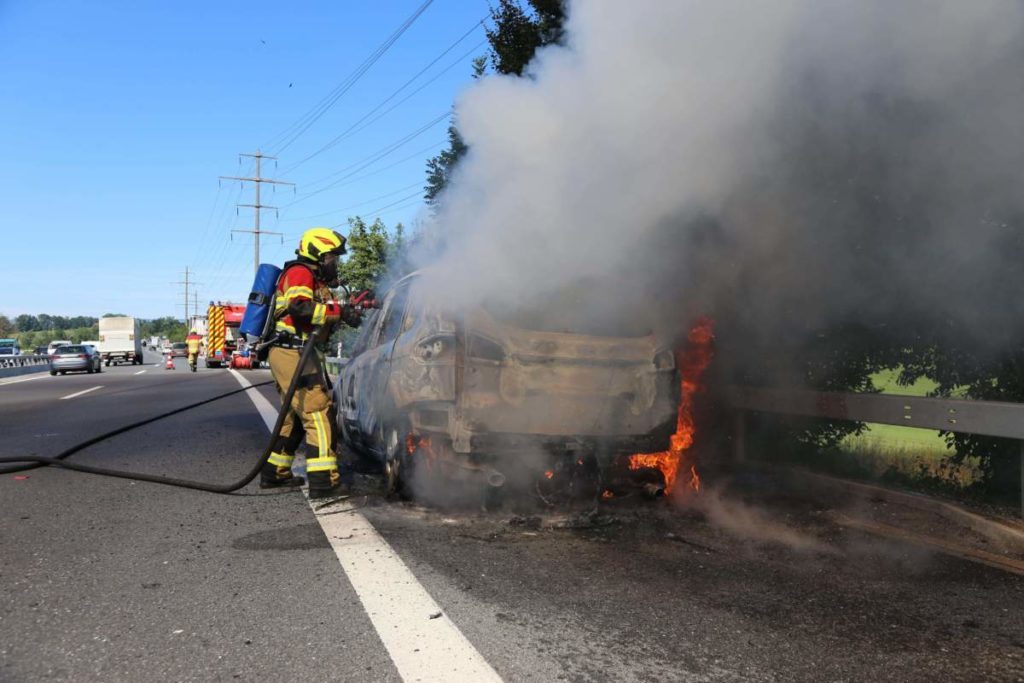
{"x": 119, "y": 116}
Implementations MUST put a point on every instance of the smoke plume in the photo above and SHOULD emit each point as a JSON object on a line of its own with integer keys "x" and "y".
{"x": 785, "y": 164}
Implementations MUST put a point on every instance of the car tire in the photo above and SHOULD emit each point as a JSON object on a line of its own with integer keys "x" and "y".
{"x": 63, "y": 372}
{"x": 89, "y": 370}
{"x": 53, "y": 373}
{"x": 99, "y": 367}
{"x": 397, "y": 463}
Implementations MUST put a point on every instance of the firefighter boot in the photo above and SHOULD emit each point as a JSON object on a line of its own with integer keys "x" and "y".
{"x": 277, "y": 472}
{"x": 326, "y": 484}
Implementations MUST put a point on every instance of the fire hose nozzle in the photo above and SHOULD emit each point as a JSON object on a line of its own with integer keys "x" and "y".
{"x": 364, "y": 300}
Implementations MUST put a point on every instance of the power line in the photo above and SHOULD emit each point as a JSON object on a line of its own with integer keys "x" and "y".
{"x": 257, "y": 207}
{"x": 386, "y": 206}
{"x": 292, "y": 133}
{"x": 405, "y": 99}
{"x": 355, "y": 206}
{"x": 187, "y": 281}
{"x": 371, "y": 159}
{"x": 352, "y": 128}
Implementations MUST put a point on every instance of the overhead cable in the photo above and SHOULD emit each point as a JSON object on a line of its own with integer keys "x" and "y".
{"x": 371, "y": 159}
{"x": 356, "y": 126}
{"x": 283, "y": 140}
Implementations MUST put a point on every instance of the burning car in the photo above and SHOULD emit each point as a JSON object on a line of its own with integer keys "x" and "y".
{"x": 489, "y": 395}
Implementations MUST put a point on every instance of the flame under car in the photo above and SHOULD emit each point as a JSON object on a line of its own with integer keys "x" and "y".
{"x": 493, "y": 397}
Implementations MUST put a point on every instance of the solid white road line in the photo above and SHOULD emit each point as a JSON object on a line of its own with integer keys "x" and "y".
{"x": 23, "y": 379}
{"x": 79, "y": 393}
{"x": 140, "y": 372}
{"x": 422, "y": 642}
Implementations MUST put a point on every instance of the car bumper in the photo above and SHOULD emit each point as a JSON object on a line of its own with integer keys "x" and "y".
{"x": 76, "y": 364}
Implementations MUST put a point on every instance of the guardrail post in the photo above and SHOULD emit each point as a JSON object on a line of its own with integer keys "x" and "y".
{"x": 739, "y": 436}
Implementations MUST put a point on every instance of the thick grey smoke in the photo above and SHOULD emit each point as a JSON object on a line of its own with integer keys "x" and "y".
{"x": 786, "y": 162}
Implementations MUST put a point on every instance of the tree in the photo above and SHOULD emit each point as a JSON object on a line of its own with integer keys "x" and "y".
{"x": 368, "y": 247}
{"x": 26, "y": 323}
{"x": 518, "y": 34}
{"x": 6, "y": 326}
{"x": 440, "y": 168}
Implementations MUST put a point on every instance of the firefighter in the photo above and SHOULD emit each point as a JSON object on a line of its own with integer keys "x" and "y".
{"x": 305, "y": 302}
{"x": 194, "y": 341}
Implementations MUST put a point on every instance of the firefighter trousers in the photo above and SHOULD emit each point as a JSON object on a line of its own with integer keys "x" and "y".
{"x": 308, "y": 412}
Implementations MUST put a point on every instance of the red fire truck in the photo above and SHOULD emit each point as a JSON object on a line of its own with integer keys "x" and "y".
{"x": 222, "y": 321}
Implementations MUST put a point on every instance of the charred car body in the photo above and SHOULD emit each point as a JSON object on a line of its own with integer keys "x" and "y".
{"x": 489, "y": 396}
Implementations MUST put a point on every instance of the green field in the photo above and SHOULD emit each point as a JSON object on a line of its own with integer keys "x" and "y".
{"x": 886, "y": 449}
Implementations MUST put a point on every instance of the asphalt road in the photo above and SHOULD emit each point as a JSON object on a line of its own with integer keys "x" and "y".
{"x": 110, "y": 580}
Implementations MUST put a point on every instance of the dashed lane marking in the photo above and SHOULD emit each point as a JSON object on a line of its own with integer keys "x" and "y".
{"x": 23, "y": 379}
{"x": 140, "y": 372}
{"x": 422, "y": 642}
{"x": 79, "y": 393}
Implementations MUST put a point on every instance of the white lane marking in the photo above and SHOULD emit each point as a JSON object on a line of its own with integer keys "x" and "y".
{"x": 24, "y": 379}
{"x": 79, "y": 393}
{"x": 422, "y": 648}
{"x": 140, "y": 372}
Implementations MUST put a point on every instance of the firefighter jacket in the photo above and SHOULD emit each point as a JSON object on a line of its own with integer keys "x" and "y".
{"x": 303, "y": 301}
{"x": 193, "y": 341}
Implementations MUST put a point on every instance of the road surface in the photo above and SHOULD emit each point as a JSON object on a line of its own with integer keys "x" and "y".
{"x": 112, "y": 580}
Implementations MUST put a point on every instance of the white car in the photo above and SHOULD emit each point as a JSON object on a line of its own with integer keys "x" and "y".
{"x": 52, "y": 346}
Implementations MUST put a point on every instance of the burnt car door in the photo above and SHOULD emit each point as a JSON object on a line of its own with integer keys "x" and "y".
{"x": 351, "y": 384}
{"x": 370, "y": 381}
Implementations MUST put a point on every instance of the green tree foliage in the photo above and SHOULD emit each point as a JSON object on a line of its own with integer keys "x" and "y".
{"x": 6, "y": 326}
{"x": 368, "y": 247}
{"x": 168, "y": 326}
{"x": 518, "y": 33}
{"x": 374, "y": 254}
{"x": 440, "y": 168}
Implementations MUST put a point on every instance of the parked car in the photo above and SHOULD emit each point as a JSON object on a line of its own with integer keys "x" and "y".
{"x": 39, "y": 351}
{"x": 75, "y": 357}
{"x": 493, "y": 391}
{"x": 179, "y": 350}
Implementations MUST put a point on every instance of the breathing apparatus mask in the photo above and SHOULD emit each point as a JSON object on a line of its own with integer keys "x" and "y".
{"x": 328, "y": 267}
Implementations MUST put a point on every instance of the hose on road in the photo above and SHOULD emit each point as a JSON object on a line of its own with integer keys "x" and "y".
{"x": 60, "y": 460}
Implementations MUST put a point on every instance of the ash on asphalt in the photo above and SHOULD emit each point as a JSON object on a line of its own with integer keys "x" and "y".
{"x": 729, "y": 584}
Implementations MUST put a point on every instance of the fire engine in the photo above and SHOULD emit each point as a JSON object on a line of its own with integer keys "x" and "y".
{"x": 222, "y": 335}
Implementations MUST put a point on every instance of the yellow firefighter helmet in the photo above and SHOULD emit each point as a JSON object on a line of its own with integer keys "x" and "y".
{"x": 316, "y": 242}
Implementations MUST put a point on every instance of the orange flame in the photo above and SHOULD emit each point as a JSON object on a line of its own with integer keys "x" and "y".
{"x": 691, "y": 363}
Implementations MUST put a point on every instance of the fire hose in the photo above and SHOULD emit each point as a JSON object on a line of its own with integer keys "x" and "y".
{"x": 61, "y": 459}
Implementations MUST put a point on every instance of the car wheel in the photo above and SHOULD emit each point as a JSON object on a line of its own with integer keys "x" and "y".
{"x": 99, "y": 367}
{"x": 397, "y": 463}
{"x": 90, "y": 370}
{"x": 63, "y": 372}
{"x": 53, "y": 373}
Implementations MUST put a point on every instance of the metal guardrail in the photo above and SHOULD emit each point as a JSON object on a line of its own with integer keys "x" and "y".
{"x": 22, "y": 361}
{"x": 987, "y": 418}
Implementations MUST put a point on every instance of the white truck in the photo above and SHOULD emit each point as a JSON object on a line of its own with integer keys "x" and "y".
{"x": 120, "y": 341}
